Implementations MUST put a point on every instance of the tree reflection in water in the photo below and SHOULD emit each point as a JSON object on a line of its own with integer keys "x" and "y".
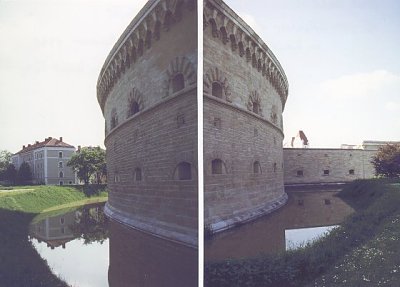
{"x": 90, "y": 224}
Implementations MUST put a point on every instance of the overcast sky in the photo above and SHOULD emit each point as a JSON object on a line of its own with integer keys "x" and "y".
{"x": 341, "y": 58}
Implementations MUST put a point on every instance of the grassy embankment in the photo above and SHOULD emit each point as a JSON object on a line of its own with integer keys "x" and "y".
{"x": 20, "y": 264}
{"x": 364, "y": 251}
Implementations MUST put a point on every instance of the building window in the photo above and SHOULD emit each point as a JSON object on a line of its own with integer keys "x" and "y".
{"x": 256, "y": 108}
{"x": 60, "y": 154}
{"x": 326, "y": 171}
{"x": 138, "y": 174}
{"x": 62, "y": 220}
{"x": 351, "y": 171}
{"x": 60, "y": 164}
{"x": 184, "y": 171}
{"x": 178, "y": 83}
{"x": 61, "y": 174}
{"x": 217, "y": 123}
{"x": 216, "y": 90}
{"x": 70, "y": 182}
{"x": 216, "y": 166}
{"x": 256, "y": 167}
{"x": 61, "y": 183}
{"x": 114, "y": 121}
{"x": 134, "y": 108}
{"x": 300, "y": 173}
{"x": 180, "y": 120}
{"x": 275, "y": 166}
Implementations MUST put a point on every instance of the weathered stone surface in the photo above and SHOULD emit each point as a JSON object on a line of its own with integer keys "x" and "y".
{"x": 326, "y": 165}
{"x": 243, "y": 123}
{"x": 151, "y": 122}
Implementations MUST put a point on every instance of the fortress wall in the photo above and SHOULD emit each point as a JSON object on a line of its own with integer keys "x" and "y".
{"x": 158, "y": 138}
{"x": 312, "y": 162}
{"x": 235, "y": 133}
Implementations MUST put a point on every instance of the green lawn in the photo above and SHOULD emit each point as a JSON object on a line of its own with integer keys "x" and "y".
{"x": 364, "y": 251}
{"x": 20, "y": 264}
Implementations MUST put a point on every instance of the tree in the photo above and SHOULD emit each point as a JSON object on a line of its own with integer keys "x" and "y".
{"x": 387, "y": 161}
{"x": 24, "y": 175}
{"x": 10, "y": 174}
{"x": 5, "y": 158}
{"x": 88, "y": 162}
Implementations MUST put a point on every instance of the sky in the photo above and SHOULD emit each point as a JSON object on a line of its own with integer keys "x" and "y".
{"x": 340, "y": 57}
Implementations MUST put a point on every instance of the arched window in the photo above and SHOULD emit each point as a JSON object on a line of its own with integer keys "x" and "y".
{"x": 256, "y": 107}
{"x": 256, "y": 167}
{"x": 184, "y": 171}
{"x": 114, "y": 120}
{"x": 216, "y": 166}
{"x": 134, "y": 108}
{"x": 60, "y": 164}
{"x": 216, "y": 90}
{"x": 178, "y": 83}
{"x": 275, "y": 166}
{"x": 138, "y": 174}
{"x": 61, "y": 174}
{"x": 60, "y": 154}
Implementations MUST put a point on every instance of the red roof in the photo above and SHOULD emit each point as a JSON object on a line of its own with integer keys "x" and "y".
{"x": 48, "y": 142}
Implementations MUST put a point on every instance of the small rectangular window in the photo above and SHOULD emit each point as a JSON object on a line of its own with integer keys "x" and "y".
{"x": 326, "y": 171}
{"x": 300, "y": 173}
{"x": 351, "y": 171}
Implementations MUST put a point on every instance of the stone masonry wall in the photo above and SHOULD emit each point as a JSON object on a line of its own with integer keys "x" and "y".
{"x": 242, "y": 127}
{"x": 311, "y": 165}
{"x": 156, "y": 139}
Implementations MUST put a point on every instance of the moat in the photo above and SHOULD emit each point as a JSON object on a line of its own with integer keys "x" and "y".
{"x": 84, "y": 248}
{"x": 305, "y": 217}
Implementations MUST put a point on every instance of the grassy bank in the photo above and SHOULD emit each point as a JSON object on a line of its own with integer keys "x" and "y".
{"x": 20, "y": 264}
{"x": 364, "y": 251}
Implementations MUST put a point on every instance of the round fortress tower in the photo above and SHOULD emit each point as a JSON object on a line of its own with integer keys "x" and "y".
{"x": 245, "y": 90}
{"x": 147, "y": 91}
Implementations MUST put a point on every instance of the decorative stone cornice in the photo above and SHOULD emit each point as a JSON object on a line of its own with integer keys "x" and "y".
{"x": 156, "y": 17}
{"x": 227, "y": 26}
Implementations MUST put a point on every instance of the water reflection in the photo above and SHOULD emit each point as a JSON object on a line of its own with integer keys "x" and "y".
{"x": 138, "y": 259}
{"x": 304, "y": 211}
{"x": 75, "y": 244}
{"x": 85, "y": 249}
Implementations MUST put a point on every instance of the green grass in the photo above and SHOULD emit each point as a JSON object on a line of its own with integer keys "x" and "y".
{"x": 20, "y": 264}
{"x": 375, "y": 222}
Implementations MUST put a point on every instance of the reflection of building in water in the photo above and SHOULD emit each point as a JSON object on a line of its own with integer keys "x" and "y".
{"x": 55, "y": 230}
{"x": 139, "y": 259}
{"x": 267, "y": 234}
{"x": 147, "y": 90}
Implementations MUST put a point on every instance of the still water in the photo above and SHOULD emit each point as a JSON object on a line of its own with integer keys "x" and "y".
{"x": 85, "y": 249}
{"x": 305, "y": 217}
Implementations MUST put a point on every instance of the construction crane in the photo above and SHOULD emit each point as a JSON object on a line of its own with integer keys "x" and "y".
{"x": 303, "y": 139}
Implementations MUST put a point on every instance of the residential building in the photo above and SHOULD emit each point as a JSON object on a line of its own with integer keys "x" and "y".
{"x": 48, "y": 161}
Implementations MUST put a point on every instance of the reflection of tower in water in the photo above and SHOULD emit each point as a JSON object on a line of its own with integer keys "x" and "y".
{"x": 267, "y": 234}
{"x": 139, "y": 259}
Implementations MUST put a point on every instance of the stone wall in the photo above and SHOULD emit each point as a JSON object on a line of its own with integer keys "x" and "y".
{"x": 150, "y": 112}
{"x": 245, "y": 91}
{"x": 312, "y": 165}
